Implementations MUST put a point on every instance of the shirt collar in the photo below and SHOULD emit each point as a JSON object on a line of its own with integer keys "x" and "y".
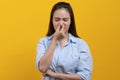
{"x": 71, "y": 38}
{"x": 50, "y": 37}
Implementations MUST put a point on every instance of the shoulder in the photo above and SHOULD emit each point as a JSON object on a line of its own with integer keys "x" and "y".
{"x": 81, "y": 41}
{"x": 77, "y": 40}
{"x": 44, "y": 40}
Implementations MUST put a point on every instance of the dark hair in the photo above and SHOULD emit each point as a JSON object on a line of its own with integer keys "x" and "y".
{"x": 72, "y": 28}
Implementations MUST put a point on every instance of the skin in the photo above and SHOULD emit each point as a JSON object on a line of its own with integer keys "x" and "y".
{"x": 61, "y": 18}
{"x": 61, "y": 22}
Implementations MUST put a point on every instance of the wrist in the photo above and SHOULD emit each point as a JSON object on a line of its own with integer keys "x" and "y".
{"x": 55, "y": 39}
{"x": 56, "y": 75}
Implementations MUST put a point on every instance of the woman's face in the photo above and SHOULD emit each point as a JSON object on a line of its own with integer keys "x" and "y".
{"x": 61, "y": 17}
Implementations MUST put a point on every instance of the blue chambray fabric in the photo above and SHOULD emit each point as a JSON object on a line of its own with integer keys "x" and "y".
{"x": 73, "y": 58}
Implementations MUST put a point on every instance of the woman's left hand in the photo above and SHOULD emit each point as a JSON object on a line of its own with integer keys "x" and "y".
{"x": 50, "y": 73}
{"x": 62, "y": 76}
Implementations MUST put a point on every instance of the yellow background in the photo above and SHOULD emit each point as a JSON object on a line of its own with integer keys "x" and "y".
{"x": 24, "y": 22}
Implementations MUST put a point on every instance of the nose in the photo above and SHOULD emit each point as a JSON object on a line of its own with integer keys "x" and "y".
{"x": 61, "y": 23}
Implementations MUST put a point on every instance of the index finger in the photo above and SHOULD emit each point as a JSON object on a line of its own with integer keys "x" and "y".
{"x": 62, "y": 28}
{"x": 58, "y": 28}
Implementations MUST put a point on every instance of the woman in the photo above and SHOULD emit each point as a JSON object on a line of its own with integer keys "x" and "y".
{"x": 62, "y": 55}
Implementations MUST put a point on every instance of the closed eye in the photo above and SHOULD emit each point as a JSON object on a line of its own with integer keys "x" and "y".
{"x": 57, "y": 19}
{"x": 66, "y": 19}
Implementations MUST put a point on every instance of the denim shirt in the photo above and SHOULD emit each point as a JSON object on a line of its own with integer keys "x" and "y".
{"x": 73, "y": 58}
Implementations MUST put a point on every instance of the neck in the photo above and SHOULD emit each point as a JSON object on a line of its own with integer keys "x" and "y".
{"x": 64, "y": 40}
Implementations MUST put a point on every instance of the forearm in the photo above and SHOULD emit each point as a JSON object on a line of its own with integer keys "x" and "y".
{"x": 47, "y": 58}
{"x": 68, "y": 76}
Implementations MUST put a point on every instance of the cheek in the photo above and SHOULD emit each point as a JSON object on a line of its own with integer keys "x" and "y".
{"x": 67, "y": 25}
{"x": 55, "y": 25}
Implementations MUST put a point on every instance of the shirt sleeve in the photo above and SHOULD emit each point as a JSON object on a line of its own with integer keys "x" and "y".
{"x": 40, "y": 51}
{"x": 85, "y": 63}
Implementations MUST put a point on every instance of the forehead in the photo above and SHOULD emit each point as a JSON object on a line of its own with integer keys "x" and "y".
{"x": 62, "y": 12}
